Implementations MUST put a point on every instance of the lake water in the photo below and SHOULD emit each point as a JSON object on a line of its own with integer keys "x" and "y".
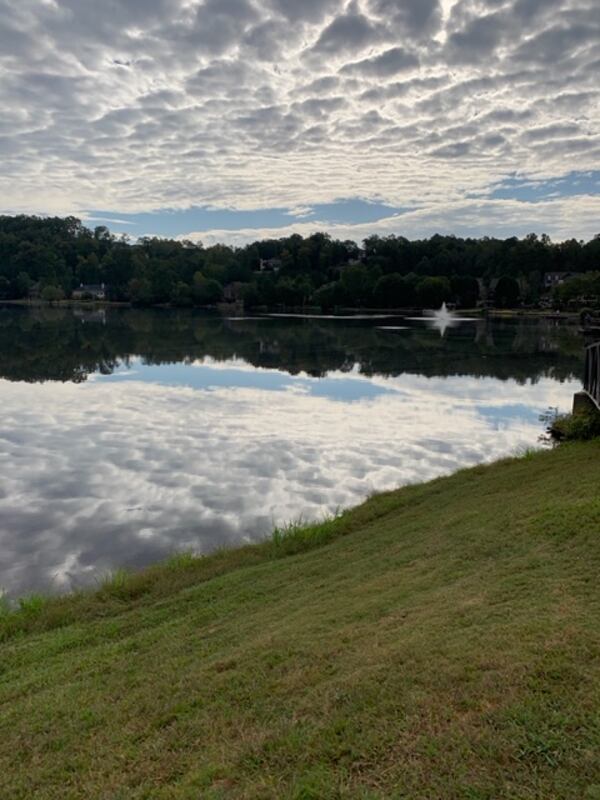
{"x": 127, "y": 435}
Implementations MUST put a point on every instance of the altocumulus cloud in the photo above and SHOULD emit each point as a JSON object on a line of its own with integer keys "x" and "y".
{"x": 101, "y": 475}
{"x": 133, "y": 106}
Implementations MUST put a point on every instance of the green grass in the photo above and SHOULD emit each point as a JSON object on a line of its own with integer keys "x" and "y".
{"x": 438, "y": 642}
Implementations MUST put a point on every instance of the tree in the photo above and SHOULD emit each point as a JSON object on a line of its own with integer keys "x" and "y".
{"x": 507, "y": 292}
{"x": 64, "y": 253}
{"x": 140, "y": 292}
{"x": 52, "y": 294}
{"x": 89, "y": 269}
{"x": 162, "y": 277}
{"x": 250, "y": 296}
{"x": 581, "y": 289}
{"x": 206, "y": 291}
{"x": 102, "y": 234}
{"x": 432, "y": 292}
{"x": 328, "y": 296}
{"x": 118, "y": 268}
{"x": 465, "y": 290}
{"x": 181, "y": 295}
{"x": 357, "y": 284}
{"x": 22, "y": 285}
{"x": 288, "y": 292}
{"x": 394, "y": 291}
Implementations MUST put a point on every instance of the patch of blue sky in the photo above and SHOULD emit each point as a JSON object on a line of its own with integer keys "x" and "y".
{"x": 500, "y": 415}
{"x": 346, "y": 390}
{"x": 530, "y": 190}
{"x": 172, "y": 222}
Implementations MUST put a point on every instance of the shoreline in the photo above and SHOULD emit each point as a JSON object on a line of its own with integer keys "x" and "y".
{"x": 566, "y": 316}
{"x": 289, "y": 539}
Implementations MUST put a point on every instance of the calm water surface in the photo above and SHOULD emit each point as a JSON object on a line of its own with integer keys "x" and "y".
{"x": 128, "y": 435}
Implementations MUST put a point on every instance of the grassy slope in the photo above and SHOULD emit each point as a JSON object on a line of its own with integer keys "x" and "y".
{"x": 447, "y": 646}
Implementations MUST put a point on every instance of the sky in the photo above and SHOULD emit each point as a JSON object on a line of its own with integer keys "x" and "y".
{"x": 235, "y": 120}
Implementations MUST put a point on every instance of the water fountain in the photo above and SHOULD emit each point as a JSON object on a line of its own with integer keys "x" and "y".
{"x": 442, "y": 319}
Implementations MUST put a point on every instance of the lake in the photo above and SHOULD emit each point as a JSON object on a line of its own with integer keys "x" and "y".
{"x": 126, "y": 435}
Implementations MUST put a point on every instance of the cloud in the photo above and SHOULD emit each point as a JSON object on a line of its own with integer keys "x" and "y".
{"x": 384, "y": 65}
{"x": 349, "y": 31}
{"x": 411, "y": 16}
{"x": 140, "y": 106}
{"x": 307, "y": 10}
{"x": 116, "y": 473}
{"x": 560, "y": 218}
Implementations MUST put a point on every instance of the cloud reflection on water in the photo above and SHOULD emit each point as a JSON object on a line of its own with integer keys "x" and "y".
{"x": 124, "y": 472}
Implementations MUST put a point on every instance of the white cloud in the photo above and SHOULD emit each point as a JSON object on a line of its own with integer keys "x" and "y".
{"x": 131, "y": 106}
{"x": 559, "y": 218}
{"x": 99, "y": 475}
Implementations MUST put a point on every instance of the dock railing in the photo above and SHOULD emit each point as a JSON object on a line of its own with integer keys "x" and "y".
{"x": 592, "y": 372}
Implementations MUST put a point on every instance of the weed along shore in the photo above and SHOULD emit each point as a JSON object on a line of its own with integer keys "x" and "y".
{"x": 439, "y": 641}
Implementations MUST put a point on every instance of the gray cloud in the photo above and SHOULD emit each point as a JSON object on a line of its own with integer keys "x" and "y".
{"x": 350, "y": 31}
{"x": 240, "y": 103}
{"x": 306, "y": 10}
{"x": 164, "y": 472}
{"x": 478, "y": 39}
{"x": 551, "y": 132}
{"x": 557, "y": 43}
{"x": 385, "y": 64}
{"x": 410, "y": 16}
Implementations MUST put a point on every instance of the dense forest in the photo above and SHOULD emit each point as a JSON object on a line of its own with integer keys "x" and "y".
{"x": 52, "y": 257}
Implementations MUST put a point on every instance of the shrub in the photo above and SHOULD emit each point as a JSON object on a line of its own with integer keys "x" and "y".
{"x": 575, "y": 427}
{"x": 52, "y": 294}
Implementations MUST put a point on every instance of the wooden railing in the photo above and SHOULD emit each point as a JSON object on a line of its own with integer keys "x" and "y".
{"x": 592, "y": 372}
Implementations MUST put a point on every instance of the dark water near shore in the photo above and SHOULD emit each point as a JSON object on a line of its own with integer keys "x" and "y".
{"x": 126, "y": 435}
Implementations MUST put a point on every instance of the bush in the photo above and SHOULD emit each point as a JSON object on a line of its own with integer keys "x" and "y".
{"x": 52, "y": 294}
{"x": 576, "y": 427}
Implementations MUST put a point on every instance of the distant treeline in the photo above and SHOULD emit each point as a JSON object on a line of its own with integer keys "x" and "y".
{"x": 52, "y": 257}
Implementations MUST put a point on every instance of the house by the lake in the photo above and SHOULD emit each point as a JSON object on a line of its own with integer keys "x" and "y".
{"x": 233, "y": 292}
{"x": 89, "y": 292}
{"x": 270, "y": 265}
{"x": 554, "y": 279}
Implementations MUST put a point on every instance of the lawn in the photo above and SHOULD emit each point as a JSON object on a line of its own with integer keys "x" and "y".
{"x": 441, "y": 641}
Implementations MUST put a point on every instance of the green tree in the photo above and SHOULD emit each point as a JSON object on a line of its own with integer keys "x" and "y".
{"x": 250, "y": 296}
{"x": 117, "y": 267}
{"x": 52, "y": 294}
{"x": 357, "y": 284}
{"x": 288, "y": 292}
{"x": 22, "y": 285}
{"x": 394, "y": 291}
{"x": 432, "y": 292}
{"x": 89, "y": 269}
{"x": 206, "y": 291}
{"x": 181, "y": 295}
{"x": 507, "y": 292}
{"x": 64, "y": 253}
{"x": 328, "y": 296}
{"x": 579, "y": 290}
{"x": 465, "y": 290}
{"x": 140, "y": 292}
